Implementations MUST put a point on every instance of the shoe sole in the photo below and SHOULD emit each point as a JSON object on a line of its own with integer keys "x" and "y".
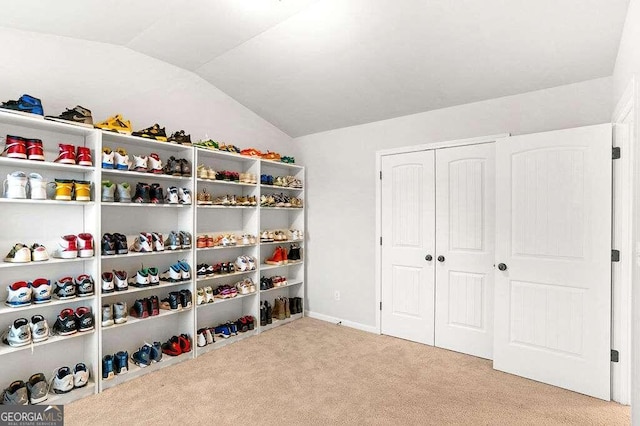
{"x": 25, "y": 113}
{"x": 75, "y": 123}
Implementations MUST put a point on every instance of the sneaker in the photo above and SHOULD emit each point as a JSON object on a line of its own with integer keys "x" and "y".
{"x": 107, "y": 316}
{"x": 67, "y": 247}
{"x": 65, "y": 324}
{"x": 294, "y": 253}
{"x": 85, "y": 245}
{"x": 139, "y": 309}
{"x": 185, "y": 343}
{"x": 79, "y": 115}
{"x": 121, "y": 245}
{"x": 120, "y": 280}
{"x": 108, "y": 191}
{"x": 171, "y": 302}
{"x": 141, "y": 279}
{"x": 115, "y": 124}
{"x": 154, "y": 132}
{"x": 141, "y": 163}
{"x": 185, "y": 270}
{"x": 18, "y": 254}
{"x": 65, "y": 288}
{"x": 80, "y": 375}
{"x": 84, "y": 318}
{"x": 108, "y": 245}
{"x": 63, "y": 380}
{"x": 201, "y": 339}
{"x": 66, "y": 154}
{"x": 35, "y": 150}
{"x": 124, "y": 192}
{"x": 121, "y": 159}
{"x": 185, "y": 238}
{"x": 83, "y": 156}
{"x": 173, "y": 196}
{"x": 208, "y": 293}
{"x": 153, "y": 306}
{"x": 277, "y": 258}
{"x": 19, "y": 294}
{"x": 186, "y": 299}
{"x": 84, "y": 285}
{"x": 120, "y": 312}
{"x": 39, "y": 329}
{"x": 180, "y": 137}
{"x": 154, "y": 277}
{"x": 155, "y": 164}
{"x": 142, "y": 357}
{"x": 121, "y": 361}
{"x": 172, "y": 347}
{"x": 107, "y": 367}
{"x": 142, "y": 194}
{"x": 107, "y": 283}
{"x": 209, "y": 336}
{"x": 18, "y": 333}
{"x": 38, "y": 388}
{"x": 155, "y": 354}
{"x": 223, "y": 331}
{"x": 15, "y": 147}
{"x": 26, "y": 104}
{"x": 173, "y": 274}
{"x": 155, "y": 194}
{"x": 201, "y": 299}
{"x": 185, "y": 167}
{"x": 107, "y": 158}
{"x": 184, "y": 195}
{"x": 41, "y": 288}
{"x": 173, "y": 167}
{"x": 142, "y": 243}
{"x": 15, "y": 186}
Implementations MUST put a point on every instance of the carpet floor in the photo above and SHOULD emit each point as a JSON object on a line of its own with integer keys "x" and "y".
{"x": 313, "y": 372}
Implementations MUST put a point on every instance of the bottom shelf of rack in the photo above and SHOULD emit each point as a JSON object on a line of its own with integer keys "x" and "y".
{"x": 69, "y": 397}
{"x": 278, "y": 323}
{"x": 137, "y": 371}
{"x": 222, "y": 342}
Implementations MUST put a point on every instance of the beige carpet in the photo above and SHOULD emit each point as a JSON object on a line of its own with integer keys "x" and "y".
{"x": 313, "y": 372}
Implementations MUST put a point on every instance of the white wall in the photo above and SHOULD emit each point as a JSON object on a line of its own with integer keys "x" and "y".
{"x": 108, "y": 79}
{"x": 628, "y": 60}
{"x": 341, "y": 179}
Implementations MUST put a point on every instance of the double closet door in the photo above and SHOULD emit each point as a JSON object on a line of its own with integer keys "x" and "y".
{"x": 438, "y": 247}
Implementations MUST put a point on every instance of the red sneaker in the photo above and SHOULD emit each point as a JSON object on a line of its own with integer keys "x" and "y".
{"x": 34, "y": 149}
{"x": 172, "y": 347}
{"x": 85, "y": 245}
{"x": 277, "y": 258}
{"x": 185, "y": 343}
{"x": 67, "y": 154}
{"x": 67, "y": 247}
{"x": 83, "y": 156}
{"x": 15, "y": 147}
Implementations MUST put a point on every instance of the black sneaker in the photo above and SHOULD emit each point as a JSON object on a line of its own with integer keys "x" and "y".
{"x": 142, "y": 357}
{"x": 78, "y": 115}
{"x": 121, "y": 244}
{"x": 171, "y": 302}
{"x": 294, "y": 252}
{"x": 26, "y": 104}
{"x": 154, "y": 132}
{"x": 185, "y": 167}
{"x": 139, "y": 309}
{"x": 65, "y": 323}
{"x": 142, "y": 193}
{"x": 180, "y": 137}
{"x": 263, "y": 315}
{"x": 107, "y": 367}
{"x": 185, "y": 299}
{"x": 108, "y": 245}
{"x": 156, "y": 195}
{"x": 121, "y": 361}
{"x": 84, "y": 319}
{"x": 173, "y": 167}
{"x": 153, "y": 306}
{"x": 155, "y": 351}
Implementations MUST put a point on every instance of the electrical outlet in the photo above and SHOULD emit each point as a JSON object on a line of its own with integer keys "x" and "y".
{"x": 336, "y": 295}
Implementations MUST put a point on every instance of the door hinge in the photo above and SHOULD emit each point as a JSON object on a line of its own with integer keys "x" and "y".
{"x": 380, "y": 174}
{"x": 615, "y": 154}
{"x": 380, "y": 240}
{"x": 615, "y": 356}
{"x": 380, "y": 305}
{"x": 615, "y": 255}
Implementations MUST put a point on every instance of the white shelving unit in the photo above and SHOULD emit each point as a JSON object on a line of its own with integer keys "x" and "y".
{"x": 45, "y": 221}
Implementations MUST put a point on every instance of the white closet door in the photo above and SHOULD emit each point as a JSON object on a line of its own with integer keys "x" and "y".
{"x": 553, "y": 223}
{"x": 407, "y": 238}
{"x": 465, "y": 233}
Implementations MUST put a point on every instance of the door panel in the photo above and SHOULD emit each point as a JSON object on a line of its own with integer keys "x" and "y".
{"x": 408, "y": 236}
{"x": 465, "y": 203}
{"x": 553, "y": 231}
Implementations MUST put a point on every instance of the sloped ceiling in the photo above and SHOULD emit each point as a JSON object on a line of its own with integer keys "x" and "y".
{"x": 314, "y": 65}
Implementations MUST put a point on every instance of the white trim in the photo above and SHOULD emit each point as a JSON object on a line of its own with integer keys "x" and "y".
{"x": 334, "y": 320}
{"x": 403, "y": 150}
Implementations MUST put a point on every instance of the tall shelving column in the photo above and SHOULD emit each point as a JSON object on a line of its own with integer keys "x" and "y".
{"x": 283, "y": 218}
{"x": 44, "y": 221}
{"x": 130, "y": 219}
{"x": 214, "y": 220}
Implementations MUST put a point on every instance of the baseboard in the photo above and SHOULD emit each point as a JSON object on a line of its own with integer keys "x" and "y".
{"x": 350, "y": 324}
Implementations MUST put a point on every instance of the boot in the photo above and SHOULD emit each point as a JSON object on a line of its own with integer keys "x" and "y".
{"x": 263, "y": 315}
{"x": 287, "y": 307}
{"x": 281, "y": 309}
{"x": 269, "y": 313}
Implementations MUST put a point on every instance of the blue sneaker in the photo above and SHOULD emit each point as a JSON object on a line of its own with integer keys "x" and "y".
{"x": 26, "y": 103}
{"x": 107, "y": 367}
{"x": 142, "y": 357}
{"x": 223, "y": 331}
{"x": 155, "y": 351}
{"x": 122, "y": 362}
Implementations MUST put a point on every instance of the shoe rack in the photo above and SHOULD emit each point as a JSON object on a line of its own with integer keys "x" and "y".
{"x": 44, "y": 221}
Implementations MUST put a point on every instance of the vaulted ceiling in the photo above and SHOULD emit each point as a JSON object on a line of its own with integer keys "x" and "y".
{"x": 313, "y": 65}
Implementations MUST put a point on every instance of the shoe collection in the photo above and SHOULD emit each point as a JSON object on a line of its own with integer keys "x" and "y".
{"x": 33, "y": 149}
{"x": 206, "y": 199}
{"x": 208, "y": 294}
{"x": 118, "y": 124}
{"x": 205, "y": 172}
{"x": 120, "y": 160}
{"x": 39, "y": 291}
{"x": 282, "y": 308}
{"x": 249, "y": 152}
{"x": 242, "y": 263}
{"x": 225, "y": 240}
{"x": 273, "y": 281}
{"x": 19, "y": 185}
{"x": 145, "y": 193}
{"x": 283, "y": 181}
{"x": 145, "y": 242}
{"x": 281, "y": 257}
{"x": 69, "y": 247}
{"x": 280, "y": 200}
{"x": 206, "y": 335}
{"x": 144, "y": 308}
{"x": 280, "y": 235}
{"x": 36, "y": 389}
{"x": 23, "y": 332}
{"x": 119, "y": 280}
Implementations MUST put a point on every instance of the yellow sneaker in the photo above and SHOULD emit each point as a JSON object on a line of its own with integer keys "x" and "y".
{"x": 82, "y": 190}
{"x": 116, "y": 124}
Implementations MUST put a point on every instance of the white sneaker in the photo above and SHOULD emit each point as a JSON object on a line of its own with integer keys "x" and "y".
{"x": 80, "y": 375}
{"x": 141, "y": 279}
{"x": 63, "y": 380}
{"x": 142, "y": 243}
{"x": 120, "y": 280}
{"x": 155, "y": 163}
{"x": 154, "y": 278}
{"x": 252, "y": 262}
{"x": 158, "y": 241}
{"x": 107, "y": 158}
{"x": 41, "y": 288}
{"x": 39, "y": 253}
{"x": 15, "y": 186}
{"x": 107, "y": 282}
{"x": 108, "y": 191}
{"x": 107, "y": 315}
{"x": 242, "y": 264}
{"x": 201, "y": 299}
{"x": 173, "y": 274}
{"x": 202, "y": 340}
{"x": 172, "y": 196}
{"x": 37, "y": 187}
{"x": 121, "y": 159}
{"x": 19, "y": 294}
{"x": 140, "y": 163}
{"x": 67, "y": 247}
{"x": 184, "y": 195}
{"x": 85, "y": 245}
{"x": 19, "y": 253}
{"x": 39, "y": 329}
{"x": 18, "y": 334}
{"x": 208, "y": 293}
{"x": 124, "y": 192}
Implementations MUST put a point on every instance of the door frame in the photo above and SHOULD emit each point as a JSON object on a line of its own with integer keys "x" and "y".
{"x": 404, "y": 150}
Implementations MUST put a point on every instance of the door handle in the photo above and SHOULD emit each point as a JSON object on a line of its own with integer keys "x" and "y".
{"x": 428, "y": 258}
{"x": 502, "y": 266}
{"x": 440, "y": 258}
